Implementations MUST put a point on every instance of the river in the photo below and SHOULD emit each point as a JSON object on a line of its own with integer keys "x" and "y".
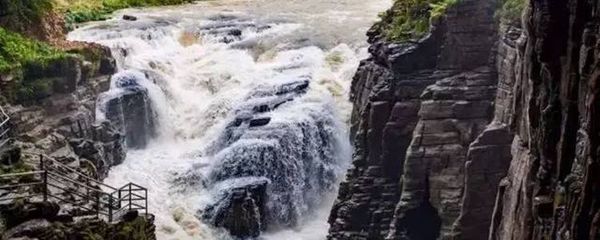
{"x": 212, "y": 61}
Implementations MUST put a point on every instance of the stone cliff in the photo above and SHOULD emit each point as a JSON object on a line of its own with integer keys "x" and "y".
{"x": 418, "y": 106}
{"x": 478, "y": 130}
{"x": 551, "y": 190}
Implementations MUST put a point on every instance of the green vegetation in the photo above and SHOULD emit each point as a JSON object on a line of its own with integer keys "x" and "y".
{"x": 410, "y": 19}
{"x": 96, "y": 10}
{"x": 20, "y": 13}
{"x": 17, "y": 51}
{"x": 18, "y": 167}
{"x": 511, "y": 10}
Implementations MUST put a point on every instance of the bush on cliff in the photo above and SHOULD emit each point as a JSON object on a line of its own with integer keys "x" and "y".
{"x": 18, "y": 53}
{"x": 511, "y": 10}
{"x": 96, "y": 10}
{"x": 411, "y": 19}
{"x": 19, "y": 14}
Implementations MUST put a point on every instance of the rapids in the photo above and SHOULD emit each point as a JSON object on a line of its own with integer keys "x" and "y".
{"x": 203, "y": 67}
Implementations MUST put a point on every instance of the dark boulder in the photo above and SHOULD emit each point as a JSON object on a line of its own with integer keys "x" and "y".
{"x": 257, "y": 122}
{"x": 129, "y": 108}
{"x": 270, "y": 174}
{"x": 30, "y": 228}
{"x": 129, "y": 18}
{"x": 240, "y": 210}
{"x": 103, "y": 145}
{"x": 235, "y": 32}
{"x": 16, "y": 213}
{"x": 10, "y": 155}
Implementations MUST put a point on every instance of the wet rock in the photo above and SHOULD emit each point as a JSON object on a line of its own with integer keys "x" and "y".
{"x": 101, "y": 144}
{"x": 129, "y": 109}
{"x": 297, "y": 87}
{"x": 292, "y": 169}
{"x": 241, "y": 210}
{"x": 235, "y": 32}
{"x": 257, "y": 122}
{"x": 129, "y": 17}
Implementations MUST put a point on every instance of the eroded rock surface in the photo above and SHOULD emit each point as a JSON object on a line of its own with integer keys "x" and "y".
{"x": 551, "y": 188}
{"x": 418, "y": 107}
{"x": 273, "y": 166}
{"x": 531, "y": 173}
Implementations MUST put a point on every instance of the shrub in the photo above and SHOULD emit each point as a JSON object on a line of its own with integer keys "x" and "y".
{"x": 411, "y": 19}
{"x": 17, "y": 51}
{"x": 510, "y": 10}
{"x": 18, "y": 14}
{"x": 98, "y": 10}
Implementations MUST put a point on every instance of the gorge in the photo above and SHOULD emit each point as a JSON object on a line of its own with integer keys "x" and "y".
{"x": 279, "y": 119}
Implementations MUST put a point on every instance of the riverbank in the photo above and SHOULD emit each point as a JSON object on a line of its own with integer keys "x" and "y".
{"x": 48, "y": 88}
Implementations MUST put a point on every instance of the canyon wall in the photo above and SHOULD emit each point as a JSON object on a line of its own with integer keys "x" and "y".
{"x": 418, "y": 106}
{"x": 552, "y": 187}
{"x": 479, "y": 130}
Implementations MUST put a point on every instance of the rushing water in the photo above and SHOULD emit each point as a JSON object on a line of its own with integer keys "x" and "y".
{"x": 205, "y": 65}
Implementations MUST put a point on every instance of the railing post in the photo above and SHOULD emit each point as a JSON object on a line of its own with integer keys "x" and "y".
{"x": 44, "y": 178}
{"x": 45, "y": 186}
{"x": 110, "y": 208}
{"x": 41, "y": 162}
{"x": 87, "y": 189}
{"x": 130, "y": 193}
{"x": 146, "y": 201}
{"x": 98, "y": 204}
{"x": 80, "y": 134}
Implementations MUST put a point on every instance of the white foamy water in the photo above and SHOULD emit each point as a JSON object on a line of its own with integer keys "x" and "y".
{"x": 203, "y": 65}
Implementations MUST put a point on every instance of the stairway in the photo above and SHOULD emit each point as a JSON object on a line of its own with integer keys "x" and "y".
{"x": 74, "y": 191}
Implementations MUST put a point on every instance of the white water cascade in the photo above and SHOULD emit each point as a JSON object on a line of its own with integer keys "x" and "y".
{"x": 242, "y": 93}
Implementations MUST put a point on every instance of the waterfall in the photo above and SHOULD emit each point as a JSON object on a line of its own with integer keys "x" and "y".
{"x": 226, "y": 111}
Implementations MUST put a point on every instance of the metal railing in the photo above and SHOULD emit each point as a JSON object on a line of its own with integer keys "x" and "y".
{"x": 4, "y": 127}
{"x": 60, "y": 183}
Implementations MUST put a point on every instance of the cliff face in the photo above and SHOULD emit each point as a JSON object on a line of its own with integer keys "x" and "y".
{"x": 52, "y": 103}
{"x": 552, "y": 187}
{"x": 479, "y": 130}
{"x": 418, "y": 106}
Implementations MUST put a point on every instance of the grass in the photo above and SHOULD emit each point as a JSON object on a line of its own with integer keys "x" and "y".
{"x": 411, "y": 19}
{"x": 17, "y": 51}
{"x": 78, "y": 11}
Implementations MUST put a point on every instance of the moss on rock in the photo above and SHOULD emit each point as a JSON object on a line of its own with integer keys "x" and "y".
{"x": 411, "y": 19}
{"x": 17, "y": 51}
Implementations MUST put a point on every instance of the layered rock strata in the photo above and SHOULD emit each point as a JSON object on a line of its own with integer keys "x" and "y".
{"x": 418, "y": 107}
{"x": 532, "y": 173}
{"x": 551, "y": 190}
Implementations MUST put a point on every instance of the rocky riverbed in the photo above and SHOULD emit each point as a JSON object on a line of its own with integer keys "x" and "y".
{"x": 235, "y": 112}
